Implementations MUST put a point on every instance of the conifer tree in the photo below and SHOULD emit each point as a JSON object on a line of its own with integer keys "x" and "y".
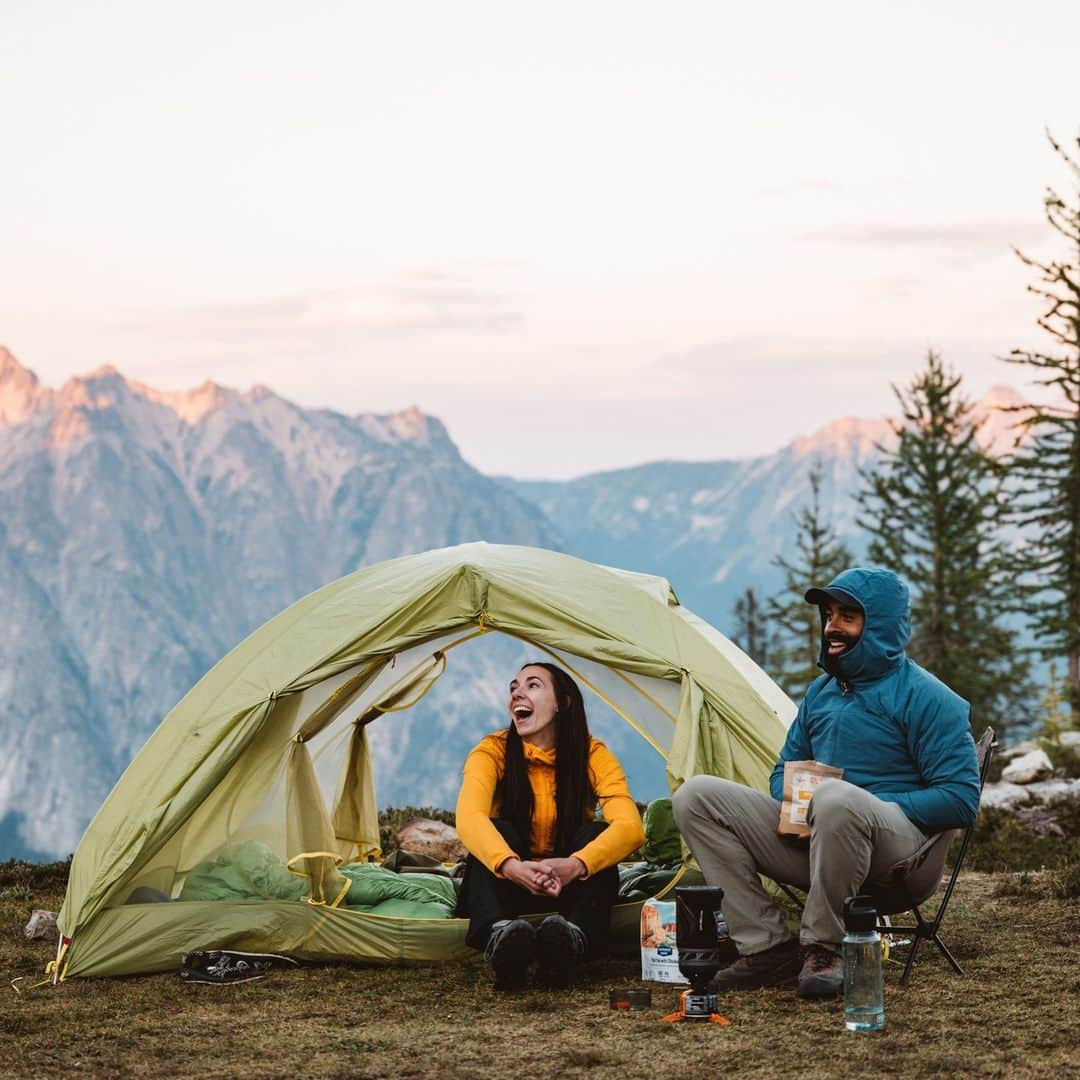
{"x": 933, "y": 507}
{"x": 819, "y": 556}
{"x": 752, "y": 633}
{"x": 1047, "y": 463}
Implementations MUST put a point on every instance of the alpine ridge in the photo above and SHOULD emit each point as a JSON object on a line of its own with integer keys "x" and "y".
{"x": 144, "y": 533}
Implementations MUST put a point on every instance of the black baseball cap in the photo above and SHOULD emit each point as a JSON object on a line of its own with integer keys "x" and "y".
{"x": 822, "y": 596}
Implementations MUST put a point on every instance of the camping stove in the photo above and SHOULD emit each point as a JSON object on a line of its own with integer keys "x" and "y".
{"x": 697, "y": 908}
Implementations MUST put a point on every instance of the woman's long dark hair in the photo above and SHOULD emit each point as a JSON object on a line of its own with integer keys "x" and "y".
{"x": 574, "y": 796}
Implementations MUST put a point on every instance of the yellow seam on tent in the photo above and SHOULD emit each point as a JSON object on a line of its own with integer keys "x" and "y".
{"x": 311, "y": 933}
{"x": 349, "y": 685}
{"x": 598, "y": 692}
{"x": 645, "y": 694}
{"x": 672, "y": 883}
{"x": 354, "y": 840}
{"x": 338, "y": 860}
{"x": 405, "y": 918}
{"x": 603, "y": 697}
{"x": 341, "y": 895}
{"x": 323, "y": 909}
{"x": 440, "y": 658}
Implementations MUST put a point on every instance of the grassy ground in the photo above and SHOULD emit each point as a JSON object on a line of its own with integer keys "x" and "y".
{"x": 1015, "y": 1013}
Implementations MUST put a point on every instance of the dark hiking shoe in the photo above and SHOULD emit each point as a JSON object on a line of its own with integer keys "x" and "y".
{"x": 219, "y": 967}
{"x": 510, "y": 949}
{"x": 778, "y": 966}
{"x": 822, "y": 973}
{"x": 560, "y": 947}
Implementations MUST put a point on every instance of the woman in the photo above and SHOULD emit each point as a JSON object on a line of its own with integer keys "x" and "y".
{"x": 525, "y": 813}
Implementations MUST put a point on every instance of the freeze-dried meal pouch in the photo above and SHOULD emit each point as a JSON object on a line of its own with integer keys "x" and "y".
{"x": 800, "y": 780}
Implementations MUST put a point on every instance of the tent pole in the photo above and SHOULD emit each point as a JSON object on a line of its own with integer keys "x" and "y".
{"x": 59, "y": 954}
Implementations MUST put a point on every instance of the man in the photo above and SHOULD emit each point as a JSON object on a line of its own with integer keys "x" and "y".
{"x": 904, "y": 742}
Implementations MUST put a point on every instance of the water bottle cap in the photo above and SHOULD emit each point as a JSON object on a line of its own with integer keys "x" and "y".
{"x": 860, "y": 913}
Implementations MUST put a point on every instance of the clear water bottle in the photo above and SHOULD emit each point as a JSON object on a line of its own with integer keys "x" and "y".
{"x": 864, "y": 1000}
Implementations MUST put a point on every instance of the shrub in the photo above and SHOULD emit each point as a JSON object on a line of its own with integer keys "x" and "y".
{"x": 20, "y": 879}
{"x": 1001, "y": 842}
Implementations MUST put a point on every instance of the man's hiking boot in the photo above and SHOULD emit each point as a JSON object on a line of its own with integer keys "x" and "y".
{"x": 560, "y": 947}
{"x": 778, "y": 966}
{"x": 822, "y": 973}
{"x": 510, "y": 949}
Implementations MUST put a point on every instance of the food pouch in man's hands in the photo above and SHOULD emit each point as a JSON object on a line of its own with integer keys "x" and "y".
{"x": 800, "y": 780}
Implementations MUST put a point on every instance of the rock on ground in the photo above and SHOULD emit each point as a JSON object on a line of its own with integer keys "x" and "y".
{"x": 1004, "y": 796}
{"x": 1005, "y": 754}
{"x": 1028, "y": 768}
{"x": 1055, "y": 791}
{"x": 42, "y": 924}
{"x": 1069, "y": 741}
{"x": 428, "y": 837}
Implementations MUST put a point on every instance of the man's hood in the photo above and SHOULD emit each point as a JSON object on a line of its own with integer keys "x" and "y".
{"x": 883, "y": 598}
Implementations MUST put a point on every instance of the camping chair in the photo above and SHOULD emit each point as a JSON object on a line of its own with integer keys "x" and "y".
{"x": 914, "y": 880}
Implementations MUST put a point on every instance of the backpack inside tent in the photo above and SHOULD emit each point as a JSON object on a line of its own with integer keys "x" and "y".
{"x": 248, "y": 820}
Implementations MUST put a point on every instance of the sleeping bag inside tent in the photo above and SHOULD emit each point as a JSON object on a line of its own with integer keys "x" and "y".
{"x": 248, "y": 820}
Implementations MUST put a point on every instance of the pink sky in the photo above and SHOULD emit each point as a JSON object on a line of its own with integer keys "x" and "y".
{"x": 583, "y": 237}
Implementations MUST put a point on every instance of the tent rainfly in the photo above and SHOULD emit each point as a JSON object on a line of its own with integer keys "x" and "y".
{"x": 270, "y": 748}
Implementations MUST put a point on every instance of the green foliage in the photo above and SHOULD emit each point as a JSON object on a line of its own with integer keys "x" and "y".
{"x": 22, "y": 879}
{"x": 1054, "y": 723}
{"x": 1065, "y": 882}
{"x": 1047, "y": 464}
{"x": 933, "y": 507}
{"x": 820, "y": 556}
{"x": 1003, "y": 842}
{"x": 1053, "y": 719}
{"x": 752, "y": 632}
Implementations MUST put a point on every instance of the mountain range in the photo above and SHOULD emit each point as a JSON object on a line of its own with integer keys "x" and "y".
{"x": 144, "y": 533}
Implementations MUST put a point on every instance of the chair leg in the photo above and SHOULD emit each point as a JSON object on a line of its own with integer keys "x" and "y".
{"x": 911, "y": 958}
{"x": 925, "y": 931}
{"x": 948, "y": 955}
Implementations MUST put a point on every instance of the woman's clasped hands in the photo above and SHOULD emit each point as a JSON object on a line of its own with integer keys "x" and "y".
{"x": 547, "y": 877}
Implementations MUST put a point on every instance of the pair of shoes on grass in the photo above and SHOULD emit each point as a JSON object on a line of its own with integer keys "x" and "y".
{"x": 556, "y": 946}
{"x": 219, "y": 966}
{"x": 818, "y": 971}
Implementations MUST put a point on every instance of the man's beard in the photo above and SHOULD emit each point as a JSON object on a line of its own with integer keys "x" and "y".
{"x": 832, "y": 660}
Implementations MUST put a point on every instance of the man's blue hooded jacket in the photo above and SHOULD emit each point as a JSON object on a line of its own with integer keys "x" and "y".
{"x": 891, "y": 726}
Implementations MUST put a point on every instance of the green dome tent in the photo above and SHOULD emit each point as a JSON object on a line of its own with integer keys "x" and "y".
{"x": 241, "y": 763}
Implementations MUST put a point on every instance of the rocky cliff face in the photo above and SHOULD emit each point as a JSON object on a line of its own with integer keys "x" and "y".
{"x": 143, "y": 534}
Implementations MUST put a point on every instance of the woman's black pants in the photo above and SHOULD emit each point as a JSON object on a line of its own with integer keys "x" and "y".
{"x": 587, "y": 902}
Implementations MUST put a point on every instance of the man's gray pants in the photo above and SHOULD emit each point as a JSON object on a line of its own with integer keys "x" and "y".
{"x": 731, "y": 830}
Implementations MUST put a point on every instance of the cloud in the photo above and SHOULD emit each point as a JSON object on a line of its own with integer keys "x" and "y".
{"x": 967, "y": 241}
{"x": 406, "y": 307}
{"x": 417, "y": 303}
{"x": 772, "y": 357}
{"x": 828, "y": 187}
{"x": 822, "y": 186}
